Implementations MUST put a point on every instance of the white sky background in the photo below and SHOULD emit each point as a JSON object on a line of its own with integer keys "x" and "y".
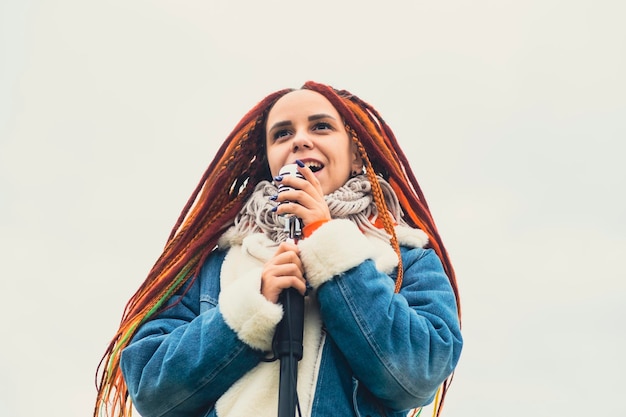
{"x": 512, "y": 114}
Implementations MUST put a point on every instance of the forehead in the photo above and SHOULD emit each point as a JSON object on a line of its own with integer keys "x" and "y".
{"x": 300, "y": 102}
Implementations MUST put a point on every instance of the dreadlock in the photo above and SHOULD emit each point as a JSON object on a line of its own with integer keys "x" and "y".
{"x": 239, "y": 164}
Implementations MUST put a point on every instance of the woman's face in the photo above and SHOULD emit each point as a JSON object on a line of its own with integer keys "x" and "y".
{"x": 304, "y": 125}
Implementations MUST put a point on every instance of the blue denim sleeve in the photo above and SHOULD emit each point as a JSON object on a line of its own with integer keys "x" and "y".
{"x": 182, "y": 361}
{"x": 400, "y": 346}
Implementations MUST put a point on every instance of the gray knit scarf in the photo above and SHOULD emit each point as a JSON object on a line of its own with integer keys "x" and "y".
{"x": 352, "y": 201}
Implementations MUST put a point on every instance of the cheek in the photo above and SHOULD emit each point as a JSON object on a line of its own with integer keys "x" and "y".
{"x": 273, "y": 161}
{"x": 274, "y": 169}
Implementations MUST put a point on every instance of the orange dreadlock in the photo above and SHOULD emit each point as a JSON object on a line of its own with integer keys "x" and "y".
{"x": 238, "y": 166}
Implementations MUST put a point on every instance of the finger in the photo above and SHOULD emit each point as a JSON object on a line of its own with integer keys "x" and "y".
{"x": 305, "y": 171}
{"x": 311, "y": 179}
{"x": 290, "y": 281}
{"x": 288, "y": 269}
{"x": 308, "y": 198}
{"x": 273, "y": 286}
{"x": 285, "y": 247}
{"x": 309, "y": 183}
{"x": 291, "y": 181}
{"x": 308, "y": 214}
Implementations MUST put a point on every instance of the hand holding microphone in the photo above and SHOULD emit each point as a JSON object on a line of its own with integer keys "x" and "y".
{"x": 300, "y": 194}
{"x": 284, "y": 270}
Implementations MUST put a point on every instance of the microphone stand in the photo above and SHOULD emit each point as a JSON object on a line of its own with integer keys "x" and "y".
{"x": 288, "y": 343}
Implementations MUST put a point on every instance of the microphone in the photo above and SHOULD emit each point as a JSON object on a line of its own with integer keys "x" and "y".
{"x": 289, "y": 332}
{"x": 293, "y": 225}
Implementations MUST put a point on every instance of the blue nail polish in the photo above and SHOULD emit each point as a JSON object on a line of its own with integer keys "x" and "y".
{"x": 300, "y": 163}
{"x": 278, "y": 178}
{"x": 273, "y": 197}
{"x": 273, "y": 210}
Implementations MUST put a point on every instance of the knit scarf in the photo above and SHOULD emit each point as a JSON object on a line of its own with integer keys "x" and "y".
{"x": 352, "y": 201}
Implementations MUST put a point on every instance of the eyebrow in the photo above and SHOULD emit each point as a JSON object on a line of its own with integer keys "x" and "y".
{"x": 311, "y": 118}
{"x": 320, "y": 116}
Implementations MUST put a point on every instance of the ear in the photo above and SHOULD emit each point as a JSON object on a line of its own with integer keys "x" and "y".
{"x": 357, "y": 161}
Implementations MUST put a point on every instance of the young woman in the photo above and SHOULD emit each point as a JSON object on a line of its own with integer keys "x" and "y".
{"x": 381, "y": 328}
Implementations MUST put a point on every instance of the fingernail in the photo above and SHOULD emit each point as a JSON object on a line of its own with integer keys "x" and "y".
{"x": 273, "y": 197}
{"x": 300, "y": 163}
{"x": 278, "y": 178}
{"x": 273, "y": 210}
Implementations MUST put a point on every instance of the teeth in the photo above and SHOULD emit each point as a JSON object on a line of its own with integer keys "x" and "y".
{"x": 314, "y": 166}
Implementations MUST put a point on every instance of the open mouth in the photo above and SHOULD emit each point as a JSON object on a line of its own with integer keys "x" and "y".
{"x": 314, "y": 166}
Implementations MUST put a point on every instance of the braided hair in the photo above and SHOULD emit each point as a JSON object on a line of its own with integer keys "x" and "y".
{"x": 239, "y": 164}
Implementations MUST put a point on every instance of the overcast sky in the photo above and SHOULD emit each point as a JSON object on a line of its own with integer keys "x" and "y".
{"x": 512, "y": 113}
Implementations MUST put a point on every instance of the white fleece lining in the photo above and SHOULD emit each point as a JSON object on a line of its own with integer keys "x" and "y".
{"x": 244, "y": 308}
{"x": 249, "y": 313}
{"x": 257, "y": 391}
{"x": 325, "y": 256}
{"x": 413, "y": 238}
{"x": 254, "y": 318}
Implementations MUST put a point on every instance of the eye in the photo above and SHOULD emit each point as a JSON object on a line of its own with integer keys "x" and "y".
{"x": 322, "y": 126}
{"x": 280, "y": 134}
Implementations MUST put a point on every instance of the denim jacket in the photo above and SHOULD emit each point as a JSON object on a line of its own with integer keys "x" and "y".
{"x": 368, "y": 351}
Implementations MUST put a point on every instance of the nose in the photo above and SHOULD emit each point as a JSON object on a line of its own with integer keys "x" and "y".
{"x": 301, "y": 141}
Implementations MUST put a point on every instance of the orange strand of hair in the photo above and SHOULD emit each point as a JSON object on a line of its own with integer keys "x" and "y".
{"x": 381, "y": 207}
